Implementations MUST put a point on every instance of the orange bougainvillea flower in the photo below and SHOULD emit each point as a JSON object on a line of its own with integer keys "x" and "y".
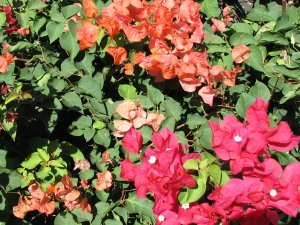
{"x": 138, "y": 57}
{"x": 128, "y": 69}
{"x": 90, "y": 9}
{"x": 118, "y": 53}
{"x": 5, "y": 61}
{"x": 104, "y": 181}
{"x": 229, "y": 76}
{"x": 87, "y": 34}
{"x": 240, "y": 53}
{"x": 111, "y": 26}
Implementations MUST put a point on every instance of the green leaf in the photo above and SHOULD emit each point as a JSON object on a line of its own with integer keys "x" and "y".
{"x": 70, "y": 10}
{"x": 89, "y": 134}
{"x": 218, "y": 176}
{"x": 9, "y": 179}
{"x": 2, "y": 18}
{"x": 32, "y": 161}
{"x": 260, "y": 90}
{"x": 86, "y": 63}
{"x": 3, "y": 154}
{"x": 172, "y": 108}
{"x": 73, "y": 101}
{"x": 43, "y": 155}
{"x": 21, "y": 45}
{"x": 98, "y": 125}
{"x": 284, "y": 158}
{"x": 122, "y": 212}
{"x": 68, "y": 40}
{"x": 64, "y": 218}
{"x": 54, "y": 30}
{"x": 90, "y": 86}
{"x": 283, "y": 23}
{"x": 155, "y": 95}
{"x": 210, "y": 8}
{"x": 68, "y": 67}
{"x": 213, "y": 39}
{"x": 70, "y": 150}
{"x": 189, "y": 195}
{"x": 276, "y": 38}
{"x": 242, "y": 28}
{"x": 244, "y": 101}
{"x": 260, "y": 13}
{"x": 194, "y": 120}
{"x": 170, "y": 123}
{"x": 103, "y": 137}
{"x": 191, "y": 164}
{"x": 81, "y": 216}
{"x": 242, "y": 39}
{"x": 112, "y": 222}
{"x": 87, "y": 174}
{"x": 134, "y": 204}
{"x": 255, "y": 60}
{"x": 23, "y": 19}
{"x": 127, "y": 91}
{"x": 35, "y": 4}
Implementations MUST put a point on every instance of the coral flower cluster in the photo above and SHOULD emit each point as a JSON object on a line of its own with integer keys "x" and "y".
{"x": 171, "y": 30}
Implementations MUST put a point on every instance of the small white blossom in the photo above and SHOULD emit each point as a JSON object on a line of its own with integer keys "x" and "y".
{"x": 273, "y": 192}
{"x": 186, "y": 206}
{"x": 161, "y": 218}
{"x": 237, "y": 138}
{"x": 152, "y": 159}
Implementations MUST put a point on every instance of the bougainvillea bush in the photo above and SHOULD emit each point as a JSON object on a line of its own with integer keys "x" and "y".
{"x": 169, "y": 112}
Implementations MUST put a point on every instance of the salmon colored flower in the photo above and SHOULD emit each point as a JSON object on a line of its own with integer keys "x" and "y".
{"x": 90, "y": 9}
{"x": 118, "y": 53}
{"x": 218, "y": 25}
{"x": 87, "y": 34}
{"x": 240, "y": 53}
{"x": 5, "y": 61}
{"x": 23, "y": 31}
{"x": 104, "y": 181}
{"x": 128, "y": 69}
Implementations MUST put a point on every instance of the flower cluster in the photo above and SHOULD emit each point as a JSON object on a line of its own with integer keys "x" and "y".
{"x": 161, "y": 172}
{"x": 135, "y": 116}
{"x": 173, "y": 29}
{"x": 243, "y": 143}
{"x": 44, "y": 201}
{"x": 263, "y": 188}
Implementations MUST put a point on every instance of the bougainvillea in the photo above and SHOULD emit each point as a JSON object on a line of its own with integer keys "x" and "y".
{"x": 171, "y": 112}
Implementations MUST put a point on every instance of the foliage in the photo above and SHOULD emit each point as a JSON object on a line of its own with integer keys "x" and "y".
{"x": 80, "y": 79}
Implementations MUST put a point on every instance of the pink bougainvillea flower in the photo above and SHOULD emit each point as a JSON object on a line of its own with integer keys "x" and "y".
{"x": 132, "y": 141}
{"x": 118, "y": 53}
{"x": 229, "y": 138}
{"x": 240, "y": 53}
{"x": 90, "y": 9}
{"x": 104, "y": 181}
{"x": 87, "y": 34}
{"x": 128, "y": 170}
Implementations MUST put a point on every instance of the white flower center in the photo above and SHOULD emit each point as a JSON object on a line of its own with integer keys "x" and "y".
{"x": 152, "y": 159}
{"x": 237, "y": 138}
{"x": 273, "y": 192}
{"x": 186, "y": 206}
{"x": 161, "y": 218}
{"x": 168, "y": 149}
